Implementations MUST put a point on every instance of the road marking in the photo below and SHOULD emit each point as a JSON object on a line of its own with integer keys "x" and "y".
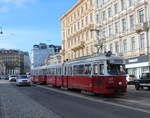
{"x": 95, "y": 100}
{"x": 134, "y": 101}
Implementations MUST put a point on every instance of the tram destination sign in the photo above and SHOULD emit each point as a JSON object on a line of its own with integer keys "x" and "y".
{"x": 116, "y": 61}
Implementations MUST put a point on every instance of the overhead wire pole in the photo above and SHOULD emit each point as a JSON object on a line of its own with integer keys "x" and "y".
{"x": 100, "y": 44}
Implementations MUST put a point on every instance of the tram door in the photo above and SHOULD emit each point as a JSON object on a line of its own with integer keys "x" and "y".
{"x": 65, "y": 77}
{"x": 98, "y": 76}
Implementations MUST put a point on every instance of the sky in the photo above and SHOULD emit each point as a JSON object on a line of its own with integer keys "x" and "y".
{"x": 28, "y": 22}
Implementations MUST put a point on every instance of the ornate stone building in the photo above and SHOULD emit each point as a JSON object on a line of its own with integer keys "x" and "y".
{"x": 11, "y": 62}
{"x": 53, "y": 59}
{"x": 76, "y": 23}
{"x": 124, "y": 27}
{"x": 121, "y": 25}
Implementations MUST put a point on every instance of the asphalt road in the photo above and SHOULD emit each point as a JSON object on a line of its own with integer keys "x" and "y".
{"x": 44, "y": 102}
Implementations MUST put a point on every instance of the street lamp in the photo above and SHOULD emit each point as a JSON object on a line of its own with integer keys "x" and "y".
{"x": 1, "y": 32}
{"x": 100, "y": 44}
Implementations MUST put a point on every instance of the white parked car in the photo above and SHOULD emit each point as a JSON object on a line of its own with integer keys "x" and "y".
{"x": 130, "y": 79}
{"x": 12, "y": 78}
{"x": 23, "y": 80}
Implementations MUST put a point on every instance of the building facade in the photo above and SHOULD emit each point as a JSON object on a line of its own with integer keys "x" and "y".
{"x": 40, "y": 52}
{"x": 76, "y": 23}
{"x": 11, "y": 62}
{"x": 124, "y": 27}
{"x": 26, "y": 62}
{"x": 121, "y": 25}
{"x": 53, "y": 59}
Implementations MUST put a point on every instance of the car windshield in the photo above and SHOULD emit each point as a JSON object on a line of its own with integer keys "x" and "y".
{"x": 131, "y": 75}
{"x": 146, "y": 76}
{"x": 12, "y": 76}
{"x": 22, "y": 77}
{"x": 116, "y": 69}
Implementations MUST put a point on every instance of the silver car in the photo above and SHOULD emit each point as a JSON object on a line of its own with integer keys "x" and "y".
{"x": 23, "y": 80}
{"x": 12, "y": 78}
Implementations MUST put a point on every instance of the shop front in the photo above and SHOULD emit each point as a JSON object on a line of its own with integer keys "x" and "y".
{"x": 136, "y": 66}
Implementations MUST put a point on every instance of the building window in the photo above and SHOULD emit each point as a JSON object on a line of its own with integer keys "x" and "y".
{"x": 122, "y": 4}
{"x": 97, "y": 18}
{"x": 116, "y": 27}
{"x": 91, "y": 2}
{"x": 78, "y": 12}
{"x": 74, "y": 27}
{"x": 125, "y": 45}
{"x": 91, "y": 17}
{"x": 87, "y": 35}
{"x": 132, "y": 22}
{"x": 141, "y": 16}
{"x": 86, "y": 20}
{"x": 124, "y": 27}
{"x": 78, "y": 25}
{"x": 81, "y": 9}
{"x": 116, "y": 8}
{"x": 133, "y": 44}
{"x": 130, "y": 3}
{"x": 142, "y": 40}
{"x": 74, "y": 15}
{"x": 86, "y": 6}
{"x": 82, "y": 22}
{"x": 104, "y": 15}
{"x": 111, "y": 47}
{"x": 97, "y": 3}
{"x": 110, "y": 30}
{"x": 91, "y": 34}
{"x": 104, "y": 32}
{"x": 109, "y": 12}
{"x": 116, "y": 47}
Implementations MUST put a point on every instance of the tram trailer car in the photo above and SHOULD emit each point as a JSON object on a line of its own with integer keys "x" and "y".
{"x": 98, "y": 74}
{"x": 39, "y": 75}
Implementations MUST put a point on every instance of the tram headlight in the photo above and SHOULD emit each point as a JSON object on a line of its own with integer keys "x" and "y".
{"x": 120, "y": 83}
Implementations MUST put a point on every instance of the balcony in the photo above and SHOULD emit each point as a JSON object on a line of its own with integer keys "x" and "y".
{"x": 142, "y": 27}
{"x": 141, "y": 2}
{"x": 62, "y": 52}
{"x": 79, "y": 46}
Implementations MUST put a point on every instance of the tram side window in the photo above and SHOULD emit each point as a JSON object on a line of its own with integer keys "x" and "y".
{"x": 78, "y": 69}
{"x": 95, "y": 69}
{"x": 87, "y": 69}
{"x": 81, "y": 69}
{"x": 75, "y": 70}
{"x": 69, "y": 70}
{"x": 48, "y": 71}
{"x": 65, "y": 70}
{"x": 101, "y": 67}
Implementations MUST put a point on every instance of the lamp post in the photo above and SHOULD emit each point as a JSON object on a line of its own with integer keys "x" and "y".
{"x": 1, "y": 32}
{"x": 100, "y": 44}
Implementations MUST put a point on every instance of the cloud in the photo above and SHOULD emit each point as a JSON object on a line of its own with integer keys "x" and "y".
{"x": 6, "y": 5}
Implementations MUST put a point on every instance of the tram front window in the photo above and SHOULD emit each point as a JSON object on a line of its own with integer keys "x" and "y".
{"x": 116, "y": 69}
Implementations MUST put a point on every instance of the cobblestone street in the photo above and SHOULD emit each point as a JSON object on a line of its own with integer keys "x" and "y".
{"x": 42, "y": 101}
{"x": 14, "y": 104}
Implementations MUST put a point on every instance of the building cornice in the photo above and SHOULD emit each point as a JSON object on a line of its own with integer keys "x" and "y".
{"x": 71, "y": 9}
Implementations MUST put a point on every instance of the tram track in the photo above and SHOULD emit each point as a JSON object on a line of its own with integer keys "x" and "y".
{"x": 119, "y": 102}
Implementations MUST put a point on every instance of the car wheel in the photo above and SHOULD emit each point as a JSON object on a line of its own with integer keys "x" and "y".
{"x": 137, "y": 87}
{"x": 142, "y": 87}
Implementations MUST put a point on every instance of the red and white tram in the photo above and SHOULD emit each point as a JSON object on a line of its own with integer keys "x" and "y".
{"x": 97, "y": 74}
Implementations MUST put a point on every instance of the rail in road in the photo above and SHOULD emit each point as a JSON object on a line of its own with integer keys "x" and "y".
{"x": 134, "y": 100}
{"x": 42, "y": 101}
